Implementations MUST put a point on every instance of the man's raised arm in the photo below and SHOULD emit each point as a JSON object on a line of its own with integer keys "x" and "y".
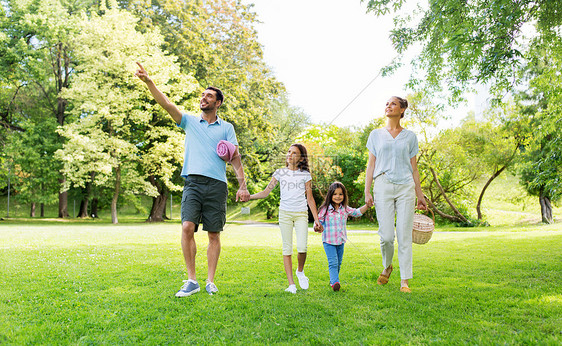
{"x": 162, "y": 100}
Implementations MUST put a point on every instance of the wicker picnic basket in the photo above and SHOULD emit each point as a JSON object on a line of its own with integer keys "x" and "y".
{"x": 423, "y": 228}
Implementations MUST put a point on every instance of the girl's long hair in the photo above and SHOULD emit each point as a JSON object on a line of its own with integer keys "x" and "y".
{"x": 303, "y": 164}
{"x": 331, "y": 190}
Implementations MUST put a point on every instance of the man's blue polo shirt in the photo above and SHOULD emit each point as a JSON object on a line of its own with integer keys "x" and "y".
{"x": 201, "y": 139}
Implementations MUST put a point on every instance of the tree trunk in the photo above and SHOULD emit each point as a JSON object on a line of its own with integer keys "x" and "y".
{"x": 61, "y": 69}
{"x": 83, "y": 212}
{"x": 452, "y": 218}
{"x": 546, "y": 209}
{"x": 32, "y": 212}
{"x": 63, "y": 203}
{"x": 158, "y": 210}
{"x": 269, "y": 213}
{"x": 85, "y": 201}
{"x": 494, "y": 176}
{"x": 455, "y": 210}
{"x": 94, "y": 211}
{"x": 42, "y": 209}
{"x": 115, "y": 195}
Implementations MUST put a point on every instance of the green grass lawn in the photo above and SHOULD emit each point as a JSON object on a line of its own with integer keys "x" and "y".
{"x": 69, "y": 283}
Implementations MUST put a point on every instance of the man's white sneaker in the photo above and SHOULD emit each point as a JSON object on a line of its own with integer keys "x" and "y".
{"x": 189, "y": 287}
{"x": 211, "y": 288}
{"x": 291, "y": 289}
{"x": 303, "y": 280}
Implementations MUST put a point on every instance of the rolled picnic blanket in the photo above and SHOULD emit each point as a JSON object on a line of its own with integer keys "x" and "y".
{"x": 225, "y": 150}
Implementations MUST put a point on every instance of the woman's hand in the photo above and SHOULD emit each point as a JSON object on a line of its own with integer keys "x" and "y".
{"x": 369, "y": 199}
{"x": 422, "y": 203}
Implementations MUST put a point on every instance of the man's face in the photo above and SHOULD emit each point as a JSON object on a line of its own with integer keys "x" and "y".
{"x": 209, "y": 100}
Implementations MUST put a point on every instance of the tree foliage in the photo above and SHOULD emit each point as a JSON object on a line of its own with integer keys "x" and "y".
{"x": 505, "y": 44}
{"x": 115, "y": 115}
{"x": 75, "y": 61}
{"x": 35, "y": 170}
{"x": 37, "y": 63}
{"x": 463, "y": 42}
{"x": 541, "y": 119}
{"x": 216, "y": 42}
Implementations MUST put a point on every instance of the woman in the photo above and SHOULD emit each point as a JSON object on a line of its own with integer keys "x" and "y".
{"x": 393, "y": 168}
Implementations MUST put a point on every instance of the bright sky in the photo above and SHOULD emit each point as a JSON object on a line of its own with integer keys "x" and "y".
{"x": 326, "y": 52}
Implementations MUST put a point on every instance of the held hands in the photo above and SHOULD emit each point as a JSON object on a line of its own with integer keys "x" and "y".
{"x": 242, "y": 195}
{"x": 318, "y": 227}
{"x": 369, "y": 202}
{"x": 142, "y": 74}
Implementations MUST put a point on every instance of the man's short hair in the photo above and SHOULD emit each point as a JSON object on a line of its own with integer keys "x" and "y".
{"x": 218, "y": 91}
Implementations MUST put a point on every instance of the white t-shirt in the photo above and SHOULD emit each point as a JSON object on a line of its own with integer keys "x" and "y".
{"x": 293, "y": 189}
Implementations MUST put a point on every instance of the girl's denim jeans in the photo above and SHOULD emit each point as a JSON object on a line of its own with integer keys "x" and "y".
{"x": 334, "y": 253}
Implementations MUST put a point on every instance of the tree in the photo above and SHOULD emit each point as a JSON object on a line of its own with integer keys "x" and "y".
{"x": 465, "y": 42}
{"x": 35, "y": 167}
{"x": 37, "y": 60}
{"x": 162, "y": 160}
{"x": 216, "y": 42}
{"x": 541, "y": 173}
{"x": 490, "y": 42}
{"x": 448, "y": 169}
{"x": 452, "y": 162}
{"x": 541, "y": 117}
{"x": 117, "y": 123}
{"x": 500, "y": 149}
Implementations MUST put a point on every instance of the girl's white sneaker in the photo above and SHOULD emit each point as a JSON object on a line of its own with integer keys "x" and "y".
{"x": 303, "y": 280}
{"x": 291, "y": 289}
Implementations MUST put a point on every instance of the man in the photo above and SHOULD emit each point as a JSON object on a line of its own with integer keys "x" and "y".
{"x": 205, "y": 190}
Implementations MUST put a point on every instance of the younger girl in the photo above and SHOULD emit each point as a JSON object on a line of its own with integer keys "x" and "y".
{"x": 333, "y": 213}
{"x": 296, "y": 191}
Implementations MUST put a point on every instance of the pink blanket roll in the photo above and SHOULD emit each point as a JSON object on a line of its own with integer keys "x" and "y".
{"x": 226, "y": 150}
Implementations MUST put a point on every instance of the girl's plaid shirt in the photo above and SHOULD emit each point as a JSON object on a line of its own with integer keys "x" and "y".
{"x": 334, "y": 222}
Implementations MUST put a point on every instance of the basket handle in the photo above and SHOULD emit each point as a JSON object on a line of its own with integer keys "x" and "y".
{"x": 432, "y": 214}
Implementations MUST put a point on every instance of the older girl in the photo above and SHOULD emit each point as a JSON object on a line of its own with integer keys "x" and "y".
{"x": 393, "y": 168}
{"x": 296, "y": 192}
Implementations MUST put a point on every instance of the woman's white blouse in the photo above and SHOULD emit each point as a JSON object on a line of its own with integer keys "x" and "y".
{"x": 393, "y": 154}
